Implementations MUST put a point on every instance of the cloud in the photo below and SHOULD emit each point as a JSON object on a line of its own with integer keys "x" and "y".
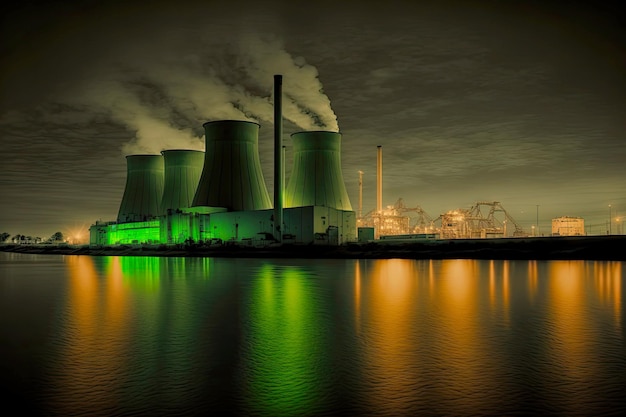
{"x": 163, "y": 102}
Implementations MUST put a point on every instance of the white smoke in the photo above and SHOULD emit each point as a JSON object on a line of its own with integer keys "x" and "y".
{"x": 165, "y": 100}
{"x": 152, "y": 124}
{"x": 305, "y": 103}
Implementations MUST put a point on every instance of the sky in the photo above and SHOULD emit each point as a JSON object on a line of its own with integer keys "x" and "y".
{"x": 520, "y": 102}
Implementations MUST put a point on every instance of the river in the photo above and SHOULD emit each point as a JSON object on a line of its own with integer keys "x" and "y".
{"x": 150, "y": 336}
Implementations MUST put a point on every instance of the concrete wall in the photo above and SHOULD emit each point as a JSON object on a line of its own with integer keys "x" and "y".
{"x": 303, "y": 225}
{"x": 238, "y": 225}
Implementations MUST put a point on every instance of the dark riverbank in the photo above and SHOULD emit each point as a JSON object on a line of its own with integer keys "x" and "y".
{"x": 575, "y": 247}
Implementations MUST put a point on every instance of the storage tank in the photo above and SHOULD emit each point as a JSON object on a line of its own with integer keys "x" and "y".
{"x": 316, "y": 178}
{"x": 568, "y": 226}
{"x": 144, "y": 188}
{"x": 232, "y": 176}
{"x": 182, "y": 174}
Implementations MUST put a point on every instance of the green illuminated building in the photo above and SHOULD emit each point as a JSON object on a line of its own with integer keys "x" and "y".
{"x": 219, "y": 196}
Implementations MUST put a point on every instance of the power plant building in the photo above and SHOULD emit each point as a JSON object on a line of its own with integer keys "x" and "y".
{"x": 230, "y": 200}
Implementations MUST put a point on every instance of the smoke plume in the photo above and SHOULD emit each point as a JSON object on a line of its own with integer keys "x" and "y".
{"x": 165, "y": 103}
{"x": 305, "y": 105}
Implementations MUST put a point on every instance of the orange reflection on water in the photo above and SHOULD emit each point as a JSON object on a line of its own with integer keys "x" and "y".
{"x": 500, "y": 289}
{"x": 93, "y": 339}
{"x": 506, "y": 291}
{"x": 532, "y": 279}
{"x": 431, "y": 277}
{"x": 457, "y": 298}
{"x": 608, "y": 281}
{"x": 392, "y": 283}
{"x": 388, "y": 315}
{"x": 569, "y": 347}
{"x": 115, "y": 268}
{"x": 492, "y": 283}
{"x": 459, "y": 340}
{"x": 83, "y": 295}
{"x": 459, "y": 283}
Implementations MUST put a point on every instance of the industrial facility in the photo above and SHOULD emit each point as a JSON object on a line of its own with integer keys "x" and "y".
{"x": 485, "y": 219}
{"x": 219, "y": 196}
{"x": 568, "y": 226}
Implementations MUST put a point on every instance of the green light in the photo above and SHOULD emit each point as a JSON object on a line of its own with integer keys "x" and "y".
{"x": 131, "y": 233}
{"x": 178, "y": 228}
{"x": 286, "y": 344}
{"x": 162, "y": 327}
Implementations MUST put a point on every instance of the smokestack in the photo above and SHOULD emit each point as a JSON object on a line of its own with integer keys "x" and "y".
{"x": 379, "y": 180}
{"x": 182, "y": 174}
{"x": 283, "y": 172}
{"x": 278, "y": 158}
{"x": 144, "y": 188}
{"x": 316, "y": 178}
{"x": 360, "y": 213}
{"x": 232, "y": 175}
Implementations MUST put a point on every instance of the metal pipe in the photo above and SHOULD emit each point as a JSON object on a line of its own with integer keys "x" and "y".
{"x": 282, "y": 173}
{"x": 278, "y": 158}
{"x": 360, "y": 214}
{"x": 379, "y": 180}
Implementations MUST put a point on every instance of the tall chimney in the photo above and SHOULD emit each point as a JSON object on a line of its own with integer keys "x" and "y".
{"x": 360, "y": 213}
{"x": 278, "y": 158}
{"x": 379, "y": 180}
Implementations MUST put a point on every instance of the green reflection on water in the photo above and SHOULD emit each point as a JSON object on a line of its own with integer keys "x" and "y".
{"x": 285, "y": 342}
{"x": 144, "y": 269}
{"x": 143, "y": 333}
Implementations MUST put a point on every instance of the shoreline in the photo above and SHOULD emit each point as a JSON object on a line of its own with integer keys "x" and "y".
{"x": 605, "y": 247}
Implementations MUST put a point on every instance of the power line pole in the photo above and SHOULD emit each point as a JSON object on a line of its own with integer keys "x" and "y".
{"x": 537, "y": 219}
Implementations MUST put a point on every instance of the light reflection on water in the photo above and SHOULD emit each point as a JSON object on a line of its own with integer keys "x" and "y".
{"x": 189, "y": 336}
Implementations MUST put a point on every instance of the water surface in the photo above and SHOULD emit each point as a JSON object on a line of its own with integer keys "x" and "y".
{"x": 106, "y": 336}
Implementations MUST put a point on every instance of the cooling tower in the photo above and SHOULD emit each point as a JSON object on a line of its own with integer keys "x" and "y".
{"x": 232, "y": 176}
{"x": 316, "y": 178}
{"x": 144, "y": 188}
{"x": 182, "y": 174}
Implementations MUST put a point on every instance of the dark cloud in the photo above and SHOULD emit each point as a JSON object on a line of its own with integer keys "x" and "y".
{"x": 519, "y": 102}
